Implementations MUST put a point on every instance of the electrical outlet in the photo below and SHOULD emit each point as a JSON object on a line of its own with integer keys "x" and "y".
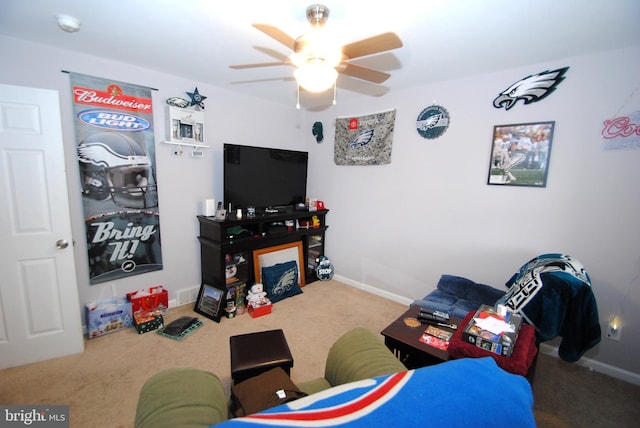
{"x": 614, "y": 332}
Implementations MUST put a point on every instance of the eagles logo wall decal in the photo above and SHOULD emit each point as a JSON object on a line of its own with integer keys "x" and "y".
{"x": 363, "y": 139}
{"x": 531, "y": 88}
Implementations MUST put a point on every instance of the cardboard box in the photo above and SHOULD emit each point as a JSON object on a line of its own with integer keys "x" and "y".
{"x": 145, "y": 322}
{"x": 259, "y": 310}
{"x": 501, "y": 344}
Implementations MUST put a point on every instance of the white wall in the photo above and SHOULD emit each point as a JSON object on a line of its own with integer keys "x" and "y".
{"x": 398, "y": 227}
{"x": 183, "y": 182}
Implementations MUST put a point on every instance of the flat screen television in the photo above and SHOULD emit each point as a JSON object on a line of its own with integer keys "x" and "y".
{"x": 264, "y": 177}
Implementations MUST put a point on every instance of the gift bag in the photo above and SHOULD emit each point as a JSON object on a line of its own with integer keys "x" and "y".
{"x": 153, "y": 299}
{"x": 108, "y": 315}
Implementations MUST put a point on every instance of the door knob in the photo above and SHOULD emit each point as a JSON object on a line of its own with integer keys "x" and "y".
{"x": 62, "y": 244}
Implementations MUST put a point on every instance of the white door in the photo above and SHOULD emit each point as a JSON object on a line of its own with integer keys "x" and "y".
{"x": 39, "y": 307}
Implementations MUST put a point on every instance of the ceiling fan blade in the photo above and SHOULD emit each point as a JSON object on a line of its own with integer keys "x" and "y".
{"x": 363, "y": 73}
{"x": 376, "y": 44}
{"x": 257, "y": 65}
{"x": 277, "y": 34}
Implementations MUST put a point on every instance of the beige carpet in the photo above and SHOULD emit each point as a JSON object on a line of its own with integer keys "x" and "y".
{"x": 101, "y": 385}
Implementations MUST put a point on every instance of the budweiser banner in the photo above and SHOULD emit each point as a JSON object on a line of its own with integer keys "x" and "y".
{"x": 622, "y": 132}
{"x": 116, "y": 156}
{"x": 364, "y": 140}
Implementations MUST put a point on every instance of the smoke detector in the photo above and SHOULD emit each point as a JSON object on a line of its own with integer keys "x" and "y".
{"x": 68, "y": 23}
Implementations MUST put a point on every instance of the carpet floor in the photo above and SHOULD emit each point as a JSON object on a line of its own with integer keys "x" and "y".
{"x": 101, "y": 385}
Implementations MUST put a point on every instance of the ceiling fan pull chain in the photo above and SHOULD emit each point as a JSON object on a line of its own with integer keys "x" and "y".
{"x": 334, "y": 93}
{"x": 298, "y": 98}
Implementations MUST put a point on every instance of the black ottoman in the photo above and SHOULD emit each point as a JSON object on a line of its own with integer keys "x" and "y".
{"x": 255, "y": 353}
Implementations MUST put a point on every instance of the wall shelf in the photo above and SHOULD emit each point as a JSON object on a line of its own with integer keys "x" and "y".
{"x": 185, "y": 127}
{"x": 183, "y": 143}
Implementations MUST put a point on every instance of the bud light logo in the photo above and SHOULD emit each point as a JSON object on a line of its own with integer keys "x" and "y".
{"x": 108, "y": 119}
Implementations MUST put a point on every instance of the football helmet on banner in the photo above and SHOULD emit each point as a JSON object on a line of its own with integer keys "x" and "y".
{"x": 113, "y": 165}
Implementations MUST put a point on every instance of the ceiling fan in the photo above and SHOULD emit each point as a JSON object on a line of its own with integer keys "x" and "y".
{"x": 318, "y": 60}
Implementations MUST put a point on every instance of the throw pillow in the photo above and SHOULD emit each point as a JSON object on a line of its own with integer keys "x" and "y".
{"x": 281, "y": 281}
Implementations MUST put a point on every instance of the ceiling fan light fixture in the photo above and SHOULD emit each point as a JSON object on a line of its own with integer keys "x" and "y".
{"x": 317, "y": 14}
{"x": 316, "y": 45}
{"x": 316, "y": 77}
{"x": 318, "y": 58}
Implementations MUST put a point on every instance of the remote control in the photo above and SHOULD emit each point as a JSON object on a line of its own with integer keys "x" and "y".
{"x": 436, "y": 313}
{"x": 429, "y": 317}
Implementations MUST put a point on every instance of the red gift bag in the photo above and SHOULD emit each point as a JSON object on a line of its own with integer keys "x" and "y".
{"x": 155, "y": 298}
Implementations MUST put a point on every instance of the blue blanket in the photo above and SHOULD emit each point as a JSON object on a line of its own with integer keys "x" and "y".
{"x": 553, "y": 293}
{"x": 459, "y": 393}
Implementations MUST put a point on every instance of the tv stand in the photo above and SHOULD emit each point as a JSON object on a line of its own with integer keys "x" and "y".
{"x": 233, "y": 241}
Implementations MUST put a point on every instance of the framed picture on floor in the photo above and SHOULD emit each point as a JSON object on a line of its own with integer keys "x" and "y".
{"x": 210, "y": 302}
{"x": 520, "y": 154}
{"x": 266, "y": 257}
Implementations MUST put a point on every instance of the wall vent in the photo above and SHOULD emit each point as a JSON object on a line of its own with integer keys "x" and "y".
{"x": 187, "y": 295}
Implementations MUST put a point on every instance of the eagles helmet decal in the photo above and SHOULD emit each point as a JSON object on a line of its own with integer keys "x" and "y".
{"x": 530, "y": 89}
{"x": 178, "y": 102}
{"x": 318, "y": 132}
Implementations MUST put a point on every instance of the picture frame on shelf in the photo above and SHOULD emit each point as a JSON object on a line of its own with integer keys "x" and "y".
{"x": 520, "y": 154}
{"x": 210, "y": 302}
{"x": 186, "y": 131}
{"x": 186, "y": 126}
{"x": 265, "y": 257}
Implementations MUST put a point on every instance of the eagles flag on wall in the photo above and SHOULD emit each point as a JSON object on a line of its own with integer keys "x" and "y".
{"x": 364, "y": 140}
{"x": 116, "y": 156}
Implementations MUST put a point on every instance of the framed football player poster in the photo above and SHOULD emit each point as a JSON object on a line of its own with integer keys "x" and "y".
{"x": 520, "y": 154}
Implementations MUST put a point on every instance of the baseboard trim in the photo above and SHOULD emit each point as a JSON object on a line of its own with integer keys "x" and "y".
{"x": 606, "y": 369}
{"x": 373, "y": 290}
{"x": 597, "y": 366}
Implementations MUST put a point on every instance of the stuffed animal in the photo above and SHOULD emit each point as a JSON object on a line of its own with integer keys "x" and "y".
{"x": 256, "y": 295}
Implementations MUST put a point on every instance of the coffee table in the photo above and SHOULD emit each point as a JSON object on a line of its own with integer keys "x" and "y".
{"x": 404, "y": 341}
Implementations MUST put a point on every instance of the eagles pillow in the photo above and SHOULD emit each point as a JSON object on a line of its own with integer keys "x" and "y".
{"x": 281, "y": 281}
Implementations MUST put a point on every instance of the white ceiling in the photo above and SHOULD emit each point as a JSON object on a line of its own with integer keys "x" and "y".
{"x": 443, "y": 39}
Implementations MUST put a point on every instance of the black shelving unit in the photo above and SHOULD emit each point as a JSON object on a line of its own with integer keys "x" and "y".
{"x": 238, "y": 238}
